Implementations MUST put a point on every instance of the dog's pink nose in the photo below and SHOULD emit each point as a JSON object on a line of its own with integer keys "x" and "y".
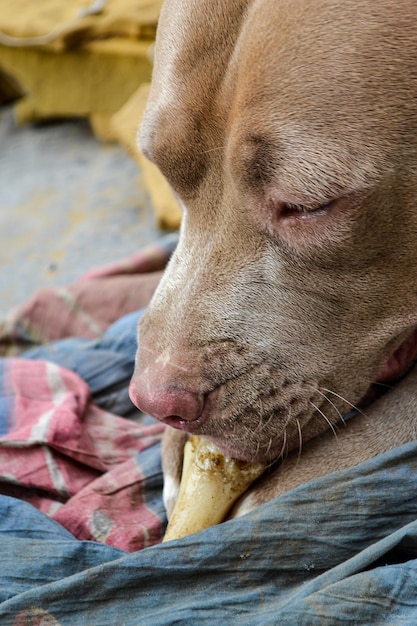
{"x": 175, "y": 407}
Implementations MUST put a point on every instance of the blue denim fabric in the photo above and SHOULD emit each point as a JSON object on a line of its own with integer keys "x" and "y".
{"x": 106, "y": 364}
{"x": 338, "y": 551}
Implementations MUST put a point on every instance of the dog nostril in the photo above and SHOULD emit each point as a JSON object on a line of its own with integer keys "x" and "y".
{"x": 172, "y": 406}
{"x": 176, "y": 421}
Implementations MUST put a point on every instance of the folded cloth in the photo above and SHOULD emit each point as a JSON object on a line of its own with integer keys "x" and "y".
{"x": 340, "y": 550}
{"x": 84, "y": 466}
{"x": 65, "y": 446}
{"x": 87, "y": 307}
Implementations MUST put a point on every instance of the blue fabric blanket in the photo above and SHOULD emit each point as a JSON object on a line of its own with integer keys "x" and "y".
{"x": 341, "y": 550}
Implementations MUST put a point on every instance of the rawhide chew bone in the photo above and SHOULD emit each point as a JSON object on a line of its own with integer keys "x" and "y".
{"x": 210, "y": 484}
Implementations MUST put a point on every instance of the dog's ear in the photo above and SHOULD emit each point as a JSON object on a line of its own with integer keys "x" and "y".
{"x": 173, "y": 442}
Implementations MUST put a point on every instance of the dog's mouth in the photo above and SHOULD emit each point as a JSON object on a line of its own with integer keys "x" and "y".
{"x": 256, "y": 416}
{"x": 229, "y": 435}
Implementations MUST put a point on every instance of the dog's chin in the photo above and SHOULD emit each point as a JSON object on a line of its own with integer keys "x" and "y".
{"x": 247, "y": 452}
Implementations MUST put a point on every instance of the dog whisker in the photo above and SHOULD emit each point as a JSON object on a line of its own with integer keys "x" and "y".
{"x": 284, "y": 449}
{"x": 284, "y": 445}
{"x": 326, "y": 418}
{"x": 260, "y": 425}
{"x": 383, "y": 385}
{"x": 213, "y": 149}
{"x": 300, "y": 446}
{"x": 334, "y": 406}
{"x": 345, "y": 400}
{"x": 273, "y": 461}
{"x": 256, "y": 451}
{"x": 263, "y": 425}
{"x": 330, "y": 402}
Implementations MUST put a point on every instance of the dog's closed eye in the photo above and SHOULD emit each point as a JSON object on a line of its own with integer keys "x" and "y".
{"x": 304, "y": 212}
{"x": 308, "y": 224}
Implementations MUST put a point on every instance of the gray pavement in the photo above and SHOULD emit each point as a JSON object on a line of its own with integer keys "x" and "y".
{"x": 67, "y": 203}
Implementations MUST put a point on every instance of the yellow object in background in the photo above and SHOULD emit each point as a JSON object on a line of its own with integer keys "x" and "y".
{"x": 91, "y": 81}
{"x": 76, "y": 58}
{"x": 64, "y": 24}
{"x": 124, "y": 128}
{"x": 90, "y": 59}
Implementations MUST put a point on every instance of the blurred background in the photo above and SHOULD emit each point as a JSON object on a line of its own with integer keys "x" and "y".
{"x": 74, "y": 191}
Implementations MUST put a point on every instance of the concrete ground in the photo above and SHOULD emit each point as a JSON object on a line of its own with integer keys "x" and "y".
{"x": 67, "y": 203}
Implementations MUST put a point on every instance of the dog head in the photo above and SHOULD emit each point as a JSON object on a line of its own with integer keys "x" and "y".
{"x": 288, "y": 133}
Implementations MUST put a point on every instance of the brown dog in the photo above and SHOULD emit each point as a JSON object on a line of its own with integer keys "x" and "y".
{"x": 288, "y": 130}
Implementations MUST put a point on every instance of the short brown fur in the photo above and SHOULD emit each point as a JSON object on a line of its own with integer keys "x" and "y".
{"x": 289, "y": 132}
